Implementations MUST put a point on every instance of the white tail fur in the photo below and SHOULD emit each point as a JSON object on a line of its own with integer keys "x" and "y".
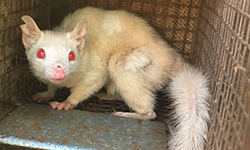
{"x": 190, "y": 93}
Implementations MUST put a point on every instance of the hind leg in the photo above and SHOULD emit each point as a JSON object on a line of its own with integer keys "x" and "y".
{"x": 133, "y": 74}
{"x": 135, "y": 91}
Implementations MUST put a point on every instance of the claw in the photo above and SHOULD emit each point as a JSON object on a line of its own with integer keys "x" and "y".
{"x": 61, "y": 105}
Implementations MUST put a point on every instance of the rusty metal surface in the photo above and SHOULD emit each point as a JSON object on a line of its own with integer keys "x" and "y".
{"x": 39, "y": 126}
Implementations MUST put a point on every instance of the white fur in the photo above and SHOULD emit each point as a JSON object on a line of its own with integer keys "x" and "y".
{"x": 57, "y": 47}
{"x": 190, "y": 92}
{"x": 111, "y": 24}
{"x": 137, "y": 61}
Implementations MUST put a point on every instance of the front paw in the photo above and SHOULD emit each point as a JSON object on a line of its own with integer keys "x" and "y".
{"x": 62, "y": 105}
{"x": 42, "y": 97}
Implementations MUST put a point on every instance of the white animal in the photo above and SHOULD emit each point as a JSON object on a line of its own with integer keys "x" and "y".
{"x": 93, "y": 48}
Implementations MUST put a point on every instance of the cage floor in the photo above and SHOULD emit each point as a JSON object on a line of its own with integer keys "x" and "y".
{"x": 39, "y": 126}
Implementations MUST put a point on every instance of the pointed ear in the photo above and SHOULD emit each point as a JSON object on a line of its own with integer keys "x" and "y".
{"x": 30, "y": 32}
{"x": 79, "y": 33}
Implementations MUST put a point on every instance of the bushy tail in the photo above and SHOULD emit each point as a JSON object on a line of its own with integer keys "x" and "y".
{"x": 190, "y": 93}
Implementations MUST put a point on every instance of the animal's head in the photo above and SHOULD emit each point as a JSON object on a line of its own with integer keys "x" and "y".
{"x": 52, "y": 55}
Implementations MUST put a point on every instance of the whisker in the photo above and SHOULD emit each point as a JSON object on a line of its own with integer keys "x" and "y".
{"x": 19, "y": 52}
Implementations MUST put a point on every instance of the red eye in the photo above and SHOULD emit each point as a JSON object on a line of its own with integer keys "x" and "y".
{"x": 41, "y": 53}
{"x": 71, "y": 56}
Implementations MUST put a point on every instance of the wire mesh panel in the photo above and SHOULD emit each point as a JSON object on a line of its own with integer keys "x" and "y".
{"x": 223, "y": 50}
{"x": 13, "y": 64}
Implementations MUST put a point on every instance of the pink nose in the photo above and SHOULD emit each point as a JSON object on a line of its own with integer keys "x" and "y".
{"x": 58, "y": 74}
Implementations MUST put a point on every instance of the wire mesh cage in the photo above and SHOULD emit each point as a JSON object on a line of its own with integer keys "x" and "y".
{"x": 212, "y": 35}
